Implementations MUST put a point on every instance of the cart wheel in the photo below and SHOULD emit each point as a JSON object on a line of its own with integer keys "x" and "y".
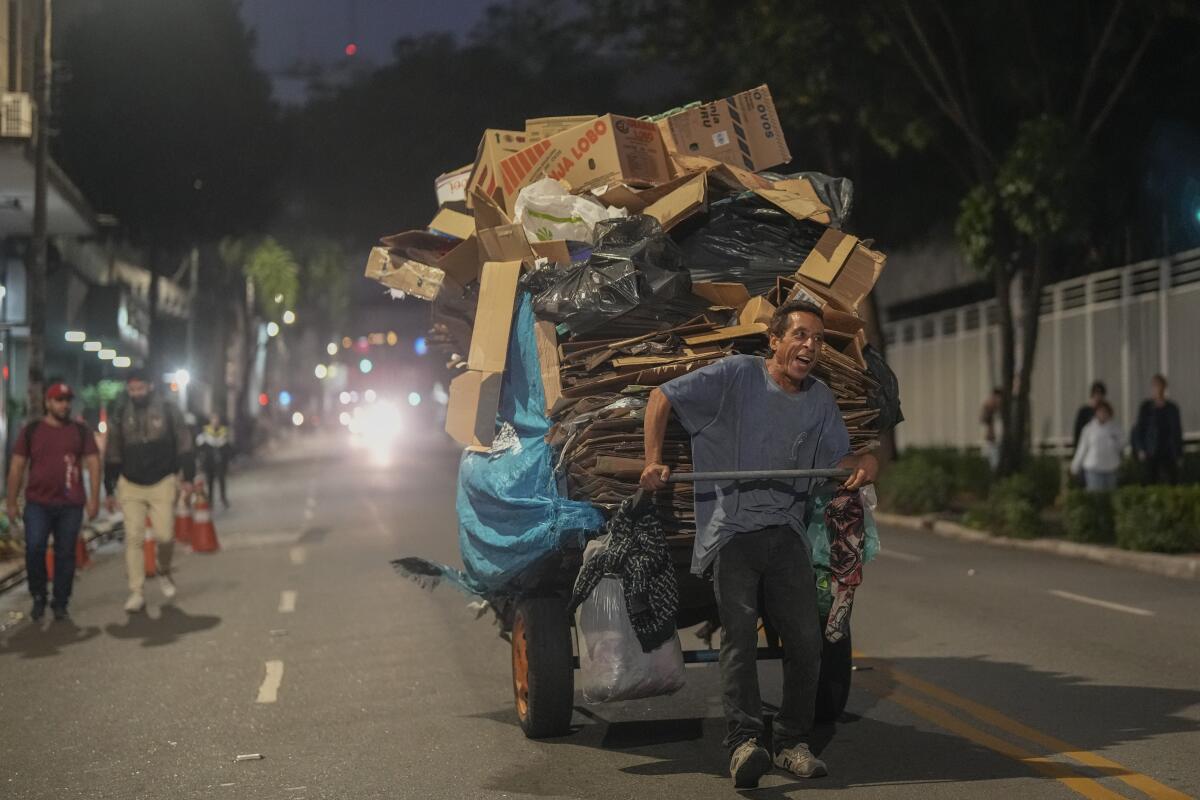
{"x": 833, "y": 687}
{"x": 543, "y": 669}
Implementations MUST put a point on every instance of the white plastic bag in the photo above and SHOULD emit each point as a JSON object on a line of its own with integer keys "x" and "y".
{"x": 548, "y": 211}
{"x": 612, "y": 665}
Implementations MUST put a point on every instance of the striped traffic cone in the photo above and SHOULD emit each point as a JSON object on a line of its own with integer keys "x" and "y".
{"x": 183, "y": 519}
{"x": 204, "y": 533}
{"x": 82, "y": 559}
{"x": 149, "y": 553}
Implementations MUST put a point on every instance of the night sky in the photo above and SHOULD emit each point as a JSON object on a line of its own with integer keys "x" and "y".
{"x": 289, "y": 31}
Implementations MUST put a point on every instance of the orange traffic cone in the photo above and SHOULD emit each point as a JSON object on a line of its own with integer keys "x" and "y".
{"x": 148, "y": 551}
{"x": 204, "y": 533}
{"x": 81, "y": 556}
{"x": 183, "y": 519}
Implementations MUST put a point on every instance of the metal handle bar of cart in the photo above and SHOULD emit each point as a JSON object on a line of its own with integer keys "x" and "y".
{"x": 758, "y": 475}
{"x": 639, "y": 503}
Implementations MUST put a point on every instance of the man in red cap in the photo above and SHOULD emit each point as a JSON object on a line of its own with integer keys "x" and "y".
{"x": 55, "y": 449}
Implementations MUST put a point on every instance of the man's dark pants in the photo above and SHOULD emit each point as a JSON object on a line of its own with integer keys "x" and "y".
{"x": 779, "y": 559}
{"x": 41, "y": 521}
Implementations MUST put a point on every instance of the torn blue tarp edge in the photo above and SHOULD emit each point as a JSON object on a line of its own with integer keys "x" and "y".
{"x": 510, "y": 512}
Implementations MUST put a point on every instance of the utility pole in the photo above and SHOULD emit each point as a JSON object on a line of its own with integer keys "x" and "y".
{"x": 36, "y": 256}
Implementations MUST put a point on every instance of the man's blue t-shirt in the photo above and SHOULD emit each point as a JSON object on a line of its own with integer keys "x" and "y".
{"x": 740, "y": 419}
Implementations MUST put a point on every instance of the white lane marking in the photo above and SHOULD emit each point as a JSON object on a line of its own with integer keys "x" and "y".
{"x": 1091, "y": 601}
{"x": 287, "y": 601}
{"x": 298, "y": 554}
{"x": 269, "y": 691}
{"x": 900, "y": 556}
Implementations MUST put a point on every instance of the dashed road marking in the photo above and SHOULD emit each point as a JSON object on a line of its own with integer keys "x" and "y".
{"x": 268, "y": 692}
{"x": 298, "y": 555}
{"x": 1092, "y": 601}
{"x": 287, "y": 601}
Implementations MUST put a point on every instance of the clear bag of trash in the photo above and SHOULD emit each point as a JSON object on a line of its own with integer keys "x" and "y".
{"x": 546, "y": 210}
{"x": 612, "y": 665}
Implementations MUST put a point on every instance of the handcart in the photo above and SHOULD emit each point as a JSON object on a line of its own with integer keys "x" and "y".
{"x": 544, "y": 651}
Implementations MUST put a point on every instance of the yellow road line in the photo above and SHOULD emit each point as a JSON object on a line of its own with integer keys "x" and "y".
{"x": 1143, "y": 783}
{"x": 1062, "y": 773}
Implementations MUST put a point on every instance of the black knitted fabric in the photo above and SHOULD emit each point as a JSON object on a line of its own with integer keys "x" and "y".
{"x": 637, "y": 554}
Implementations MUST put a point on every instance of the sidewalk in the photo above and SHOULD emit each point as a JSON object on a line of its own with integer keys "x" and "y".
{"x": 1185, "y": 566}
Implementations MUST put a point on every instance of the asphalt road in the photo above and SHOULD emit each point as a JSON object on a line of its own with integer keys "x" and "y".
{"x": 983, "y": 672}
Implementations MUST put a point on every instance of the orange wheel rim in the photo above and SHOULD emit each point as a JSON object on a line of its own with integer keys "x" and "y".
{"x": 520, "y": 657}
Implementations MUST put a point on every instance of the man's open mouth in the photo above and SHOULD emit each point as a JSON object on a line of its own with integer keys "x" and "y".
{"x": 805, "y": 360}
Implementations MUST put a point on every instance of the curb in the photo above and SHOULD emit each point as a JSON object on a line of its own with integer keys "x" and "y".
{"x": 1185, "y": 566}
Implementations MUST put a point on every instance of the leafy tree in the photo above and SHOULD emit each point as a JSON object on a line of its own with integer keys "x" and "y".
{"x": 167, "y": 123}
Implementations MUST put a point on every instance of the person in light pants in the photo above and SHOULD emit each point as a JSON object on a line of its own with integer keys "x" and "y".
{"x": 149, "y": 445}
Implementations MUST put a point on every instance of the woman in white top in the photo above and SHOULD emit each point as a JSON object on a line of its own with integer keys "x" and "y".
{"x": 1098, "y": 454}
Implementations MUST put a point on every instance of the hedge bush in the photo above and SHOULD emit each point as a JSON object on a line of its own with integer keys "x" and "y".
{"x": 927, "y": 480}
{"x": 1011, "y": 508}
{"x": 1088, "y": 517}
{"x": 1164, "y": 519}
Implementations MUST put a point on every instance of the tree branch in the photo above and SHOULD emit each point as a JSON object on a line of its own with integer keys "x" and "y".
{"x": 952, "y": 112}
{"x": 1089, "y": 75}
{"x": 961, "y": 61}
{"x": 1123, "y": 83}
{"x": 1038, "y": 63}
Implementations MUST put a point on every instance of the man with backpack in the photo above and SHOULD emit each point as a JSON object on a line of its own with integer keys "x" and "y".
{"x": 149, "y": 443}
{"x": 55, "y": 449}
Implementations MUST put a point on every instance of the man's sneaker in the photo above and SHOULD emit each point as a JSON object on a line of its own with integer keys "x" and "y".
{"x": 60, "y": 614}
{"x": 167, "y": 586}
{"x": 749, "y": 763}
{"x": 135, "y": 603}
{"x": 800, "y": 761}
{"x": 39, "y": 609}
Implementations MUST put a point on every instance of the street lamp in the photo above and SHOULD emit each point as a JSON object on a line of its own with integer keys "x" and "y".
{"x": 182, "y": 377}
{"x": 321, "y": 372}
{"x": 272, "y": 329}
{"x": 289, "y": 317}
{"x": 93, "y": 347}
{"x": 122, "y": 362}
{"x": 331, "y": 348}
{"x": 75, "y": 336}
{"x": 107, "y": 355}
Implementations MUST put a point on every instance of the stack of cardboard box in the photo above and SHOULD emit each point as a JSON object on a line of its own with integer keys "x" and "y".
{"x": 470, "y": 260}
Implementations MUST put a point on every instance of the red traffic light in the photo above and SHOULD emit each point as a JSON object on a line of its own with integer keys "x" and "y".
{"x": 351, "y": 49}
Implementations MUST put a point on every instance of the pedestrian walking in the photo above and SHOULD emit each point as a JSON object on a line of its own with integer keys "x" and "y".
{"x": 149, "y": 446}
{"x": 1098, "y": 454}
{"x": 215, "y": 451}
{"x": 55, "y": 450}
{"x": 751, "y": 413}
{"x": 990, "y": 420}
{"x": 1158, "y": 435}
{"x": 1097, "y": 395}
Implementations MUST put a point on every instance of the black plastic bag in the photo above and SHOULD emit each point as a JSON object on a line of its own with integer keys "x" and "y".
{"x": 634, "y": 265}
{"x": 886, "y": 398}
{"x": 837, "y": 193}
{"x": 749, "y": 241}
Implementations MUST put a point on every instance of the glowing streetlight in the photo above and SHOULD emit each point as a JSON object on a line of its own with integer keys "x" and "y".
{"x": 344, "y": 398}
{"x": 321, "y": 372}
{"x": 289, "y": 317}
{"x": 414, "y": 399}
{"x": 182, "y": 377}
{"x": 272, "y": 329}
{"x": 107, "y": 355}
{"x": 93, "y": 347}
{"x": 75, "y": 336}
{"x": 297, "y": 419}
{"x": 365, "y": 366}
{"x": 331, "y": 348}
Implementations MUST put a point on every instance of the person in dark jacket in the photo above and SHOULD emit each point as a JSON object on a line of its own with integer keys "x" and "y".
{"x": 215, "y": 453}
{"x": 1083, "y": 416}
{"x": 56, "y": 450}
{"x": 149, "y": 445}
{"x": 751, "y": 413}
{"x": 1158, "y": 435}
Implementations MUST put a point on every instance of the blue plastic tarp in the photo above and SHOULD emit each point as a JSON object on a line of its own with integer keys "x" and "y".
{"x": 510, "y": 512}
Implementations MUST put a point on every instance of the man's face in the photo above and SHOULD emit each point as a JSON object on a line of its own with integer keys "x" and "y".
{"x": 797, "y": 351}
{"x": 1158, "y": 388}
{"x": 59, "y": 408}
{"x": 138, "y": 390}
